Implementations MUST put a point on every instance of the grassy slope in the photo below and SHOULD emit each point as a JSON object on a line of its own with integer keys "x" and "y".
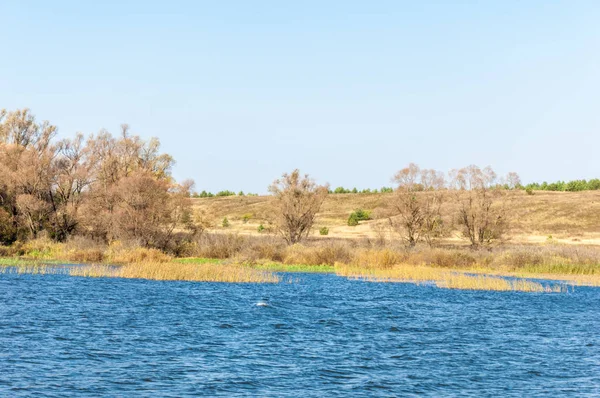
{"x": 569, "y": 217}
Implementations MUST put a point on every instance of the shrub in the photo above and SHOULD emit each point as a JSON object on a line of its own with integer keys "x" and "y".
{"x": 358, "y": 215}
{"x": 324, "y": 231}
{"x": 362, "y": 215}
{"x": 261, "y": 228}
{"x": 225, "y": 222}
{"x": 246, "y": 217}
{"x": 529, "y": 191}
{"x": 225, "y": 193}
{"x": 220, "y": 245}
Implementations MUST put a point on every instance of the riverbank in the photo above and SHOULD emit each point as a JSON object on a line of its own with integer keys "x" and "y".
{"x": 235, "y": 258}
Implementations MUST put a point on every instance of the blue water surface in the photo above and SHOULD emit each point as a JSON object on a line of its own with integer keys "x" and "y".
{"x": 322, "y": 335}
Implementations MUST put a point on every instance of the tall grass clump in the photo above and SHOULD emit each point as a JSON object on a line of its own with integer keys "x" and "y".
{"x": 178, "y": 272}
{"x": 327, "y": 254}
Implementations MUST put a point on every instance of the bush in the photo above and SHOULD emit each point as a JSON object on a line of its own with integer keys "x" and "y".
{"x": 225, "y": 193}
{"x": 529, "y": 191}
{"x": 362, "y": 215}
{"x": 246, "y": 217}
{"x": 220, "y": 245}
{"x": 357, "y": 216}
{"x": 226, "y": 222}
{"x": 324, "y": 231}
{"x": 261, "y": 228}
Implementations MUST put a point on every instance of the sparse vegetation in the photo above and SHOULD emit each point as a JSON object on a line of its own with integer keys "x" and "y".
{"x": 112, "y": 200}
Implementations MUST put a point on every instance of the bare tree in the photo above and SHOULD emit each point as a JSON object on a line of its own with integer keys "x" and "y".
{"x": 513, "y": 181}
{"x": 407, "y": 217}
{"x": 433, "y": 198}
{"x": 482, "y": 205}
{"x": 415, "y": 208}
{"x": 297, "y": 201}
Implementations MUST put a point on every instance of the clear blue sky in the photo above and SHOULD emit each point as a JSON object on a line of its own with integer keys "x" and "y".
{"x": 348, "y": 91}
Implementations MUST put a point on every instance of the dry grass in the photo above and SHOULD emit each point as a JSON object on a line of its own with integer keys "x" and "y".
{"x": 119, "y": 253}
{"x": 327, "y": 254}
{"x": 178, "y": 272}
{"x": 570, "y": 217}
{"x": 154, "y": 271}
{"x": 443, "y": 278}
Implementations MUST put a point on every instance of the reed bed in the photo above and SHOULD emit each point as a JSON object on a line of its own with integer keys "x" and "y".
{"x": 178, "y": 272}
{"x": 444, "y": 278}
{"x": 576, "y": 264}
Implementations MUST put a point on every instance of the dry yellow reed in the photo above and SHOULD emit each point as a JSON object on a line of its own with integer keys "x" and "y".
{"x": 443, "y": 278}
{"x": 178, "y": 272}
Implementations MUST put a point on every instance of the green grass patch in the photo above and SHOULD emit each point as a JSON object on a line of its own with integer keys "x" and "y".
{"x": 273, "y": 267}
{"x": 17, "y": 261}
{"x": 278, "y": 267}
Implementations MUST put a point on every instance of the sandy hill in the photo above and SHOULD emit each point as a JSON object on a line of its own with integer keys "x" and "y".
{"x": 566, "y": 217}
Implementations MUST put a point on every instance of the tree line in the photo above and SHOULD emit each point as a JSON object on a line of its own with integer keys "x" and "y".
{"x": 102, "y": 186}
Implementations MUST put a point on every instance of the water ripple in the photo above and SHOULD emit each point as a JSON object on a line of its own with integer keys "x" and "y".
{"x": 321, "y": 336}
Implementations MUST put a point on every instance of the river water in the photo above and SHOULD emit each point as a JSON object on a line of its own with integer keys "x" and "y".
{"x": 321, "y": 335}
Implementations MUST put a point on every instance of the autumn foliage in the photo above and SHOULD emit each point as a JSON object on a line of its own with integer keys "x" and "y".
{"x": 104, "y": 187}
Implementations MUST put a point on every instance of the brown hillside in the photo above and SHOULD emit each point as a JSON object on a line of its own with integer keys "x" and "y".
{"x": 566, "y": 217}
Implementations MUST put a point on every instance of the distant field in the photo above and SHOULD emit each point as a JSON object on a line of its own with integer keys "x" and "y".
{"x": 562, "y": 217}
